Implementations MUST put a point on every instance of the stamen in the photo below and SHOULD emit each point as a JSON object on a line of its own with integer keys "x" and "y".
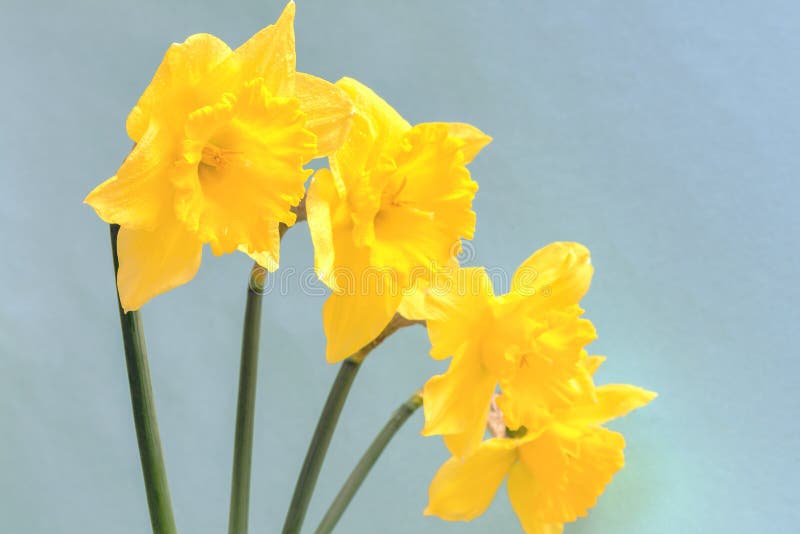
{"x": 216, "y": 157}
{"x": 392, "y": 191}
{"x": 399, "y": 190}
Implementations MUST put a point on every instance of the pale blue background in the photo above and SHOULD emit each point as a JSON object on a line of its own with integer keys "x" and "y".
{"x": 662, "y": 134}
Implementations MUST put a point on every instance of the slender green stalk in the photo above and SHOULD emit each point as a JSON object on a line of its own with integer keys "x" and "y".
{"x": 366, "y": 462}
{"x": 245, "y": 409}
{"x": 144, "y": 414}
{"x": 318, "y": 447}
{"x": 307, "y": 480}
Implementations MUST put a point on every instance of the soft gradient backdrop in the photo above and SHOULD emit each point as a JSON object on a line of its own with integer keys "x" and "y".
{"x": 662, "y": 134}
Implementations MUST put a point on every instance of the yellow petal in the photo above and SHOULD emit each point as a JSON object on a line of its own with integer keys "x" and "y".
{"x": 593, "y": 363}
{"x": 412, "y": 306}
{"x": 472, "y": 138}
{"x": 268, "y": 258}
{"x": 566, "y": 333}
{"x": 376, "y": 126}
{"x": 531, "y": 393}
{"x": 409, "y": 240}
{"x": 389, "y": 125}
{"x": 556, "y": 275}
{"x": 270, "y": 54}
{"x": 328, "y": 110}
{"x": 570, "y": 472}
{"x": 464, "y": 488}
{"x": 465, "y": 443}
{"x": 557, "y": 528}
{"x": 521, "y": 486}
{"x": 613, "y": 400}
{"x": 178, "y": 85}
{"x": 139, "y": 195}
{"x": 353, "y": 320}
{"x": 458, "y": 309}
{"x": 457, "y": 402}
{"x": 321, "y": 199}
{"x": 433, "y": 169}
{"x": 153, "y": 262}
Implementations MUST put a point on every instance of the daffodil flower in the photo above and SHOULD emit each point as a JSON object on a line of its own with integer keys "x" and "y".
{"x": 221, "y": 139}
{"x": 555, "y": 472}
{"x": 529, "y": 341}
{"x": 394, "y": 204}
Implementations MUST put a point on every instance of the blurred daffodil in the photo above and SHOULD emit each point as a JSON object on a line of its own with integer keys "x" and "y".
{"x": 221, "y": 139}
{"x": 555, "y": 471}
{"x": 529, "y": 341}
{"x": 394, "y": 205}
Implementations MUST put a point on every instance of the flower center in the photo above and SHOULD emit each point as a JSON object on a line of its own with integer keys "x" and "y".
{"x": 216, "y": 157}
{"x": 393, "y": 188}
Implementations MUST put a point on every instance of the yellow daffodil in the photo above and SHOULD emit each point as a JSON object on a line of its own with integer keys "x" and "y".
{"x": 394, "y": 204}
{"x": 555, "y": 472}
{"x": 529, "y": 341}
{"x": 221, "y": 139}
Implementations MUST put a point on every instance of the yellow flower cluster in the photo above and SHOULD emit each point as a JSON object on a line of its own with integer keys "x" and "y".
{"x": 547, "y": 434}
{"x": 222, "y": 137}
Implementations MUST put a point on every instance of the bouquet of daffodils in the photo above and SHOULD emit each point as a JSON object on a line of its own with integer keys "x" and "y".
{"x": 222, "y": 138}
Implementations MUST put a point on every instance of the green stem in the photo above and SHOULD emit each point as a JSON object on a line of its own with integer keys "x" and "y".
{"x": 144, "y": 414}
{"x": 245, "y": 409}
{"x": 318, "y": 447}
{"x": 307, "y": 480}
{"x": 366, "y": 462}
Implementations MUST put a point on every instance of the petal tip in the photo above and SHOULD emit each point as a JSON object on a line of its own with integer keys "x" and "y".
{"x": 288, "y": 12}
{"x": 333, "y": 356}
